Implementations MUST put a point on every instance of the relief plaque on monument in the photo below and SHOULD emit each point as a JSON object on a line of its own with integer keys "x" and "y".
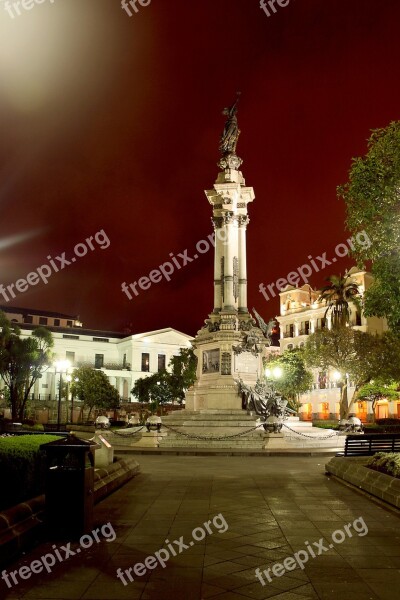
{"x": 246, "y": 363}
{"x": 226, "y": 363}
{"x": 211, "y": 361}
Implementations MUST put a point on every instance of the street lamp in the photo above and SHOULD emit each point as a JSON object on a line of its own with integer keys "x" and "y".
{"x": 68, "y": 379}
{"x": 61, "y": 367}
{"x": 76, "y": 379}
{"x": 275, "y": 373}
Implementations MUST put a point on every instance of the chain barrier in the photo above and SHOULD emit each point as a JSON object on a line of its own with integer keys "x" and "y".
{"x": 210, "y": 438}
{"x": 313, "y": 437}
{"x": 131, "y": 433}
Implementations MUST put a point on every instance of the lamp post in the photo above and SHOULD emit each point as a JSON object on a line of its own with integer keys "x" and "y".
{"x": 68, "y": 379}
{"x": 61, "y": 367}
{"x": 76, "y": 379}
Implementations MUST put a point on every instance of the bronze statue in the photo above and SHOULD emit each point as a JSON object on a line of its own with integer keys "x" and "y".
{"x": 231, "y": 132}
{"x": 266, "y": 328}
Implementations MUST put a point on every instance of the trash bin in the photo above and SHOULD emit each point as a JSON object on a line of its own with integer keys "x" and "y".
{"x": 69, "y": 487}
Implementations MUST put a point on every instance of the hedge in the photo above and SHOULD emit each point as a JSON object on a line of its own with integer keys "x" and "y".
{"x": 22, "y": 468}
{"x": 385, "y": 462}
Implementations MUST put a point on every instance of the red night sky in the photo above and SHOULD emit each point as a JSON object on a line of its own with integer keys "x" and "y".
{"x": 112, "y": 123}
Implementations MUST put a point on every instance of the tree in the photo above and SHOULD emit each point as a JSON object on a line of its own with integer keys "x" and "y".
{"x": 156, "y": 389}
{"x": 340, "y": 292}
{"x": 372, "y": 196}
{"x": 355, "y": 355}
{"x": 94, "y": 389}
{"x": 165, "y": 386}
{"x": 183, "y": 372}
{"x": 22, "y": 362}
{"x": 378, "y": 390}
{"x": 295, "y": 378}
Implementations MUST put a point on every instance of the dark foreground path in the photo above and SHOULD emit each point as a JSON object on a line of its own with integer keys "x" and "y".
{"x": 272, "y": 506}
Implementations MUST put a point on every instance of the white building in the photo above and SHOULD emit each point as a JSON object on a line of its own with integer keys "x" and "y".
{"x": 123, "y": 358}
{"x": 302, "y": 314}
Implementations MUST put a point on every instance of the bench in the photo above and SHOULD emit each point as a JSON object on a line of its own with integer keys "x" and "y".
{"x": 370, "y": 443}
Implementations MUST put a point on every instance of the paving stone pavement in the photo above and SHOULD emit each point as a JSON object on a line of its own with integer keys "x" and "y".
{"x": 272, "y": 506}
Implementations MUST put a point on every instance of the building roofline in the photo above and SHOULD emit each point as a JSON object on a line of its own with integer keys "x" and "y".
{"x": 36, "y": 312}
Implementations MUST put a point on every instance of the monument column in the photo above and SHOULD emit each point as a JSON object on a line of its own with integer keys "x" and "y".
{"x": 243, "y": 222}
{"x": 229, "y": 346}
{"x": 229, "y": 303}
{"x": 218, "y": 253}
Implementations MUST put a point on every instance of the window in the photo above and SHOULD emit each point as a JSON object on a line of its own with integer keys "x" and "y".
{"x": 161, "y": 362}
{"x": 69, "y": 323}
{"x": 124, "y": 361}
{"x": 98, "y": 361}
{"x": 101, "y": 340}
{"x": 322, "y": 380}
{"x": 42, "y": 320}
{"x": 67, "y": 336}
{"x": 305, "y": 328}
{"x": 324, "y": 410}
{"x": 57, "y": 322}
{"x": 70, "y": 356}
{"x": 321, "y": 323}
{"x": 289, "y": 330}
{"x": 358, "y": 318}
{"x": 145, "y": 362}
{"x": 28, "y": 319}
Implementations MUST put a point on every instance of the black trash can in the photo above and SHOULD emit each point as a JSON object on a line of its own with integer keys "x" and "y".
{"x": 69, "y": 487}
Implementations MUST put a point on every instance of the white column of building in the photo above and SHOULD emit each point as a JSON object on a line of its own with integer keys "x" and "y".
{"x": 53, "y": 386}
{"x": 242, "y": 264}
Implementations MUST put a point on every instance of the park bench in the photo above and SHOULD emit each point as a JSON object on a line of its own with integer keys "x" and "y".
{"x": 370, "y": 443}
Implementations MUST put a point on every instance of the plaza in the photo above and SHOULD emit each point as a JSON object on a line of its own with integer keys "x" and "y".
{"x": 273, "y": 506}
{"x": 185, "y": 413}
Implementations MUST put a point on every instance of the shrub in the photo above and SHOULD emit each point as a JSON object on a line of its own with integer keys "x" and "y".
{"x": 388, "y": 422}
{"x": 385, "y": 462}
{"x": 35, "y": 427}
{"x": 325, "y": 424}
{"x": 22, "y": 467}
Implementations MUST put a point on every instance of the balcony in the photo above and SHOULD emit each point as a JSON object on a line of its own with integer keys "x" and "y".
{"x": 106, "y": 366}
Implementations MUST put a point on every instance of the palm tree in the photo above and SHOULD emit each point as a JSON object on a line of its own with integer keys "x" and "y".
{"x": 338, "y": 295}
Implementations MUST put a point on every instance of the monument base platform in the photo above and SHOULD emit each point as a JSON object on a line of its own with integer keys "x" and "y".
{"x": 238, "y": 429}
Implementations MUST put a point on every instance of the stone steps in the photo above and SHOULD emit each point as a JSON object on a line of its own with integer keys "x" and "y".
{"x": 180, "y": 442}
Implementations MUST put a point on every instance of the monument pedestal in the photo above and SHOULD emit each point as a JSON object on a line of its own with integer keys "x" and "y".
{"x": 212, "y": 429}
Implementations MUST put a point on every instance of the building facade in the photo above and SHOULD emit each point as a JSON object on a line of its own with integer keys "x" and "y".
{"x": 123, "y": 358}
{"x": 300, "y": 315}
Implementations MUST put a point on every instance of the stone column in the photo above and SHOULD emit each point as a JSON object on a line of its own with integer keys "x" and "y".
{"x": 243, "y": 221}
{"x": 218, "y": 253}
{"x": 229, "y": 254}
